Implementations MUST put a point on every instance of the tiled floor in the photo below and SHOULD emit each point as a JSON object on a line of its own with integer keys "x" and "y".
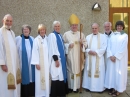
{"x": 105, "y": 93}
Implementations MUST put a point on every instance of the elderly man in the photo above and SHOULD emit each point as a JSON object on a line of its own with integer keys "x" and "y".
{"x": 107, "y": 28}
{"x": 108, "y": 33}
{"x": 94, "y": 72}
{"x": 72, "y": 44}
{"x": 10, "y": 76}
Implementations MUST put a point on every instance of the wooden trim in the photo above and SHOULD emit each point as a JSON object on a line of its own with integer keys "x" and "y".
{"x": 119, "y": 9}
{"x": 129, "y": 39}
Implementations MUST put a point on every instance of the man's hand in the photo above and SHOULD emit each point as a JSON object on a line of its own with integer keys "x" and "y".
{"x": 4, "y": 68}
{"x": 71, "y": 45}
{"x": 38, "y": 67}
{"x": 92, "y": 53}
{"x": 81, "y": 41}
{"x": 113, "y": 58}
{"x": 57, "y": 63}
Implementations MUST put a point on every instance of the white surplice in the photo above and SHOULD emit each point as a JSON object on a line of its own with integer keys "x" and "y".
{"x": 116, "y": 73}
{"x": 92, "y": 83}
{"x": 105, "y": 55}
{"x": 56, "y": 72}
{"x": 29, "y": 52}
{"x": 36, "y": 60}
{"x": 4, "y": 91}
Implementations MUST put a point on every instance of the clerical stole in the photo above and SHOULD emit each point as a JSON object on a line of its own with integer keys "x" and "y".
{"x": 96, "y": 75}
{"x": 10, "y": 78}
{"x": 42, "y": 69}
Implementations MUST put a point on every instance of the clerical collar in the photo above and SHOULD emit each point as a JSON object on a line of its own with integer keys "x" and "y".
{"x": 43, "y": 36}
{"x": 7, "y": 29}
{"x": 122, "y": 32}
{"x": 108, "y": 33}
{"x": 26, "y": 37}
{"x": 73, "y": 32}
{"x": 57, "y": 32}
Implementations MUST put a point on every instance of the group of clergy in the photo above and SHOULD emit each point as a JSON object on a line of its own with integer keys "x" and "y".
{"x": 51, "y": 66}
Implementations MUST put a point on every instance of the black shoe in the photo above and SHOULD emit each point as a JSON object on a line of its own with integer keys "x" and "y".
{"x": 87, "y": 90}
{"x": 70, "y": 90}
{"x": 100, "y": 92}
{"x": 76, "y": 91}
{"x": 111, "y": 91}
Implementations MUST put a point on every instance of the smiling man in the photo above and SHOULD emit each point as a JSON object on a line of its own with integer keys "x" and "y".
{"x": 108, "y": 33}
{"x": 9, "y": 66}
{"x": 94, "y": 72}
{"x": 72, "y": 44}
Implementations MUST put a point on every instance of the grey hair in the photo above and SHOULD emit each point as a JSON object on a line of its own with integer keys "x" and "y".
{"x": 26, "y": 26}
{"x": 55, "y": 22}
{"x": 108, "y": 23}
{"x": 7, "y": 15}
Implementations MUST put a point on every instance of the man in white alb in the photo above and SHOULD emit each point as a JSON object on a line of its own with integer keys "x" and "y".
{"x": 94, "y": 72}
{"x": 108, "y": 33}
{"x": 10, "y": 75}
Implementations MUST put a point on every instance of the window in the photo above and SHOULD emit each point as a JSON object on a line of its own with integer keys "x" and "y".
{"x": 119, "y": 3}
{"x": 120, "y": 16}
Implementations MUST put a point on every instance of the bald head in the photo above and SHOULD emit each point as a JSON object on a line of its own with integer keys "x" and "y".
{"x": 95, "y": 24}
{"x": 6, "y": 16}
{"x": 7, "y": 21}
{"x": 95, "y": 28}
{"x": 107, "y": 27}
